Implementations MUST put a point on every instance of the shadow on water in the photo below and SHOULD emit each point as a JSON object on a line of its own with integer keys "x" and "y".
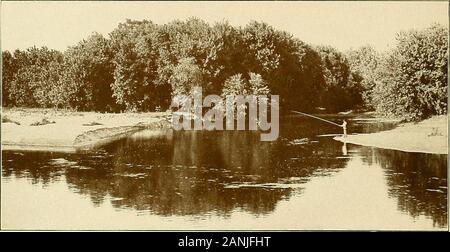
{"x": 197, "y": 173}
{"x": 417, "y": 180}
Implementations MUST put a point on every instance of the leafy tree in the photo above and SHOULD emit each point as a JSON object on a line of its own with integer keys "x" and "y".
{"x": 364, "y": 62}
{"x": 135, "y": 51}
{"x": 185, "y": 75}
{"x": 36, "y": 78}
{"x": 343, "y": 89}
{"x": 258, "y": 86}
{"x": 142, "y": 64}
{"x": 88, "y": 74}
{"x": 290, "y": 67}
{"x": 413, "y": 76}
{"x": 8, "y": 70}
{"x": 235, "y": 85}
{"x": 225, "y": 57}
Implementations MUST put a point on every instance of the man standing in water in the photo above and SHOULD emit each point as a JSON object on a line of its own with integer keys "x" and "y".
{"x": 344, "y": 126}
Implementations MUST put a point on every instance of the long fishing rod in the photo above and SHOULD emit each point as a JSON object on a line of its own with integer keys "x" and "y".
{"x": 301, "y": 113}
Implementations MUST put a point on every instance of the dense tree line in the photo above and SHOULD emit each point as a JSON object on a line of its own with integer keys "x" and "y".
{"x": 141, "y": 65}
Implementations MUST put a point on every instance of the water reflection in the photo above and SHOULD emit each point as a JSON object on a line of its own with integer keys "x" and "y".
{"x": 182, "y": 172}
{"x": 218, "y": 173}
{"x": 417, "y": 180}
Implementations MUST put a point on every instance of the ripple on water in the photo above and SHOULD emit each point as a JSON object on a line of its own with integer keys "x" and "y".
{"x": 61, "y": 162}
{"x": 131, "y": 175}
{"x": 263, "y": 185}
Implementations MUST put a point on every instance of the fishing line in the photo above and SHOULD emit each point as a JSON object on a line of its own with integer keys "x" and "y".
{"x": 301, "y": 113}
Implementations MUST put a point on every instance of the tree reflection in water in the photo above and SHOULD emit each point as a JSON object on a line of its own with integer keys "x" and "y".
{"x": 417, "y": 180}
{"x": 217, "y": 173}
{"x": 184, "y": 173}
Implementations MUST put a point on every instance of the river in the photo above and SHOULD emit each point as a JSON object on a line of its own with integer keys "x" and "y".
{"x": 227, "y": 180}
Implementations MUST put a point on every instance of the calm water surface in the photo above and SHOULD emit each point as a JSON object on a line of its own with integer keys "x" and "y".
{"x": 227, "y": 180}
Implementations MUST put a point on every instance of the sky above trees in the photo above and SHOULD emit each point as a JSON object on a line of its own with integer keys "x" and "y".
{"x": 343, "y": 25}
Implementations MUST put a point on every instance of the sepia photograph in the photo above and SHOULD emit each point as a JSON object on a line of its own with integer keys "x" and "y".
{"x": 224, "y": 116}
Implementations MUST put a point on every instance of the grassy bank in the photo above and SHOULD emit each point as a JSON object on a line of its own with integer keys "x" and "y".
{"x": 427, "y": 136}
{"x": 59, "y": 130}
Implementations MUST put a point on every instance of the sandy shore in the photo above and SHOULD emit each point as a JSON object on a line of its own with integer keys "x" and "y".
{"x": 428, "y": 136}
{"x": 69, "y": 131}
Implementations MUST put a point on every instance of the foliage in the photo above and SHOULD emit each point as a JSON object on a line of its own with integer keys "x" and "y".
{"x": 364, "y": 62}
{"x": 290, "y": 67}
{"x": 141, "y": 65}
{"x": 135, "y": 51}
{"x": 35, "y": 78}
{"x": 234, "y": 85}
{"x": 413, "y": 76}
{"x": 88, "y": 74}
{"x": 185, "y": 76}
{"x": 8, "y": 71}
{"x": 257, "y": 85}
{"x": 342, "y": 86}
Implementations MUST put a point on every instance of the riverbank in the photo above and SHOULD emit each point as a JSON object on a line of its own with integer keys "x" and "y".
{"x": 67, "y": 131}
{"x": 428, "y": 136}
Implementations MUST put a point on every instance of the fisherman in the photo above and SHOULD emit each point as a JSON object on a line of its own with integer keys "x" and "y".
{"x": 344, "y": 126}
